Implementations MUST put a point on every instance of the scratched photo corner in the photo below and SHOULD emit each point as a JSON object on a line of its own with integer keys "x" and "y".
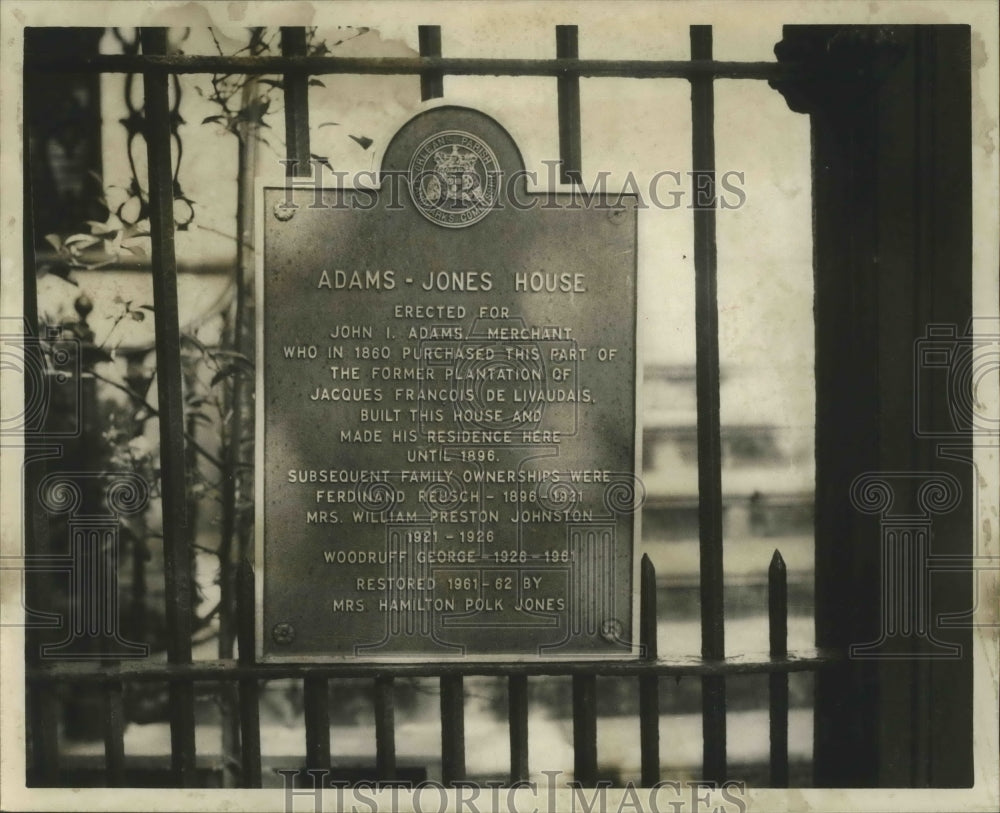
{"x": 427, "y": 406}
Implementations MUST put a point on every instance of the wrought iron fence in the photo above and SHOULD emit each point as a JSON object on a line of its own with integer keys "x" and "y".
{"x": 180, "y": 672}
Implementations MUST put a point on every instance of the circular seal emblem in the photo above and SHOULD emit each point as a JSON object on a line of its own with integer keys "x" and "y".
{"x": 454, "y": 179}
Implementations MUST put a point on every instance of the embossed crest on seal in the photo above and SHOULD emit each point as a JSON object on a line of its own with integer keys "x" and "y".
{"x": 454, "y": 179}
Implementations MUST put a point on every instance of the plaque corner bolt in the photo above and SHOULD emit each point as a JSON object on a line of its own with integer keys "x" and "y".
{"x": 616, "y": 214}
{"x": 283, "y": 633}
{"x": 284, "y": 212}
{"x": 612, "y": 630}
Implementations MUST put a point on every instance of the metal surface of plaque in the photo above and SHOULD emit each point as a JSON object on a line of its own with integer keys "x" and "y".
{"x": 446, "y": 410}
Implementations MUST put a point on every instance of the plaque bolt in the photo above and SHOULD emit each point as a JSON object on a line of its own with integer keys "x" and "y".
{"x": 283, "y": 212}
{"x": 612, "y": 630}
{"x": 616, "y": 215}
{"x": 283, "y": 633}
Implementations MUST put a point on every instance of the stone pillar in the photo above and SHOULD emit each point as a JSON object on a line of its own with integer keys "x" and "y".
{"x": 889, "y": 109}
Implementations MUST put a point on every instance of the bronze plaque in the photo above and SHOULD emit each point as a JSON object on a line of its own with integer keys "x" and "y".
{"x": 446, "y": 410}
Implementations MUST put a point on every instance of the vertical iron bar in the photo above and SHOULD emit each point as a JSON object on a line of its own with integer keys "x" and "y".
{"x": 42, "y": 707}
{"x": 585, "y": 730}
{"x": 317, "y": 711}
{"x": 709, "y": 432}
{"x": 517, "y": 715}
{"x": 233, "y": 521}
{"x": 44, "y": 731}
{"x": 431, "y": 82}
{"x": 297, "y": 151}
{"x": 293, "y": 43}
{"x": 29, "y": 293}
{"x": 137, "y": 600}
{"x": 649, "y": 685}
{"x": 114, "y": 735}
{"x": 385, "y": 729}
{"x": 568, "y": 96}
{"x": 452, "y": 729}
{"x": 777, "y": 615}
{"x": 177, "y": 558}
{"x": 248, "y": 687}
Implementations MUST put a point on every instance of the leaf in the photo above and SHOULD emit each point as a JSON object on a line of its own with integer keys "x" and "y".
{"x": 81, "y": 241}
{"x": 135, "y": 231}
{"x": 191, "y": 338}
{"x": 55, "y": 240}
{"x": 225, "y": 372}
{"x": 146, "y": 307}
{"x": 137, "y": 316}
{"x": 329, "y": 124}
{"x": 212, "y": 119}
{"x": 240, "y": 364}
{"x": 233, "y": 354}
{"x": 364, "y": 141}
{"x": 254, "y": 112}
{"x": 237, "y": 358}
{"x": 111, "y": 225}
{"x": 316, "y": 83}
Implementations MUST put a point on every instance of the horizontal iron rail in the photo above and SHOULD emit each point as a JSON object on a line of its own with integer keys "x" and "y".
{"x": 221, "y": 670}
{"x": 454, "y": 66}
